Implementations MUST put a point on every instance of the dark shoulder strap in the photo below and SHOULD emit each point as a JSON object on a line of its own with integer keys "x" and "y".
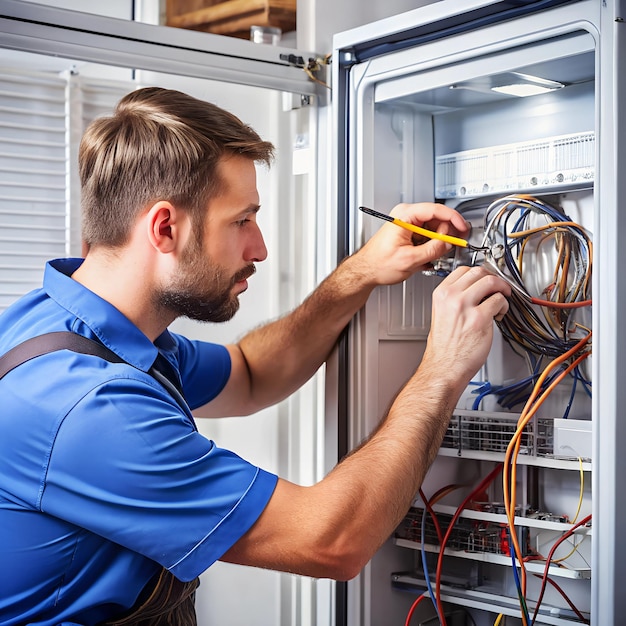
{"x": 67, "y": 340}
{"x": 51, "y": 342}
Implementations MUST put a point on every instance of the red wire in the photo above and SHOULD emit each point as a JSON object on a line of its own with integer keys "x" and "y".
{"x": 580, "y": 616}
{"x": 485, "y": 482}
{"x": 413, "y": 607}
{"x": 557, "y": 543}
{"x": 427, "y": 503}
{"x": 561, "y": 305}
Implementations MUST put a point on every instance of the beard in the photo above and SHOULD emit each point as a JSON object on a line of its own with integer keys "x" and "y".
{"x": 201, "y": 290}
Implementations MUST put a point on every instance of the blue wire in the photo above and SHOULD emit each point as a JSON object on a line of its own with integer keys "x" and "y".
{"x": 502, "y": 391}
{"x": 578, "y": 377}
{"x": 586, "y": 383}
{"x": 424, "y": 564}
{"x": 517, "y": 580}
{"x": 571, "y": 398}
{"x": 519, "y": 385}
{"x": 485, "y": 390}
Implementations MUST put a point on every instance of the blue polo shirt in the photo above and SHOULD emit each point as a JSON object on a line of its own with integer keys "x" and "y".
{"x": 104, "y": 478}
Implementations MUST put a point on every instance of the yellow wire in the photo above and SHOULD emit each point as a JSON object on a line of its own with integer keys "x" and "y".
{"x": 580, "y": 502}
{"x": 582, "y": 488}
{"x": 567, "y": 556}
{"x": 498, "y": 619}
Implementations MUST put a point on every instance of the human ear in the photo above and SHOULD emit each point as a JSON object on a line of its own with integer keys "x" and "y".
{"x": 163, "y": 226}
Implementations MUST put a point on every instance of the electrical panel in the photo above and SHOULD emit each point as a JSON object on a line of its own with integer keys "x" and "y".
{"x": 501, "y": 530}
{"x": 525, "y": 421}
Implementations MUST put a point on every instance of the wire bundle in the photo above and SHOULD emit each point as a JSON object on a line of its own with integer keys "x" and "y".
{"x": 524, "y": 235}
{"x": 547, "y": 259}
{"x": 542, "y": 320}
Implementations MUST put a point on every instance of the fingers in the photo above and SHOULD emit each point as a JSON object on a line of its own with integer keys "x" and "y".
{"x": 484, "y": 289}
{"x": 502, "y": 311}
{"x": 392, "y": 256}
{"x": 397, "y": 246}
{"x": 464, "y": 307}
{"x": 467, "y": 276}
{"x": 436, "y": 216}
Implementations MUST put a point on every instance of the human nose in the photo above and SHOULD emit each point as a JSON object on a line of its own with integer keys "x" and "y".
{"x": 257, "y": 251}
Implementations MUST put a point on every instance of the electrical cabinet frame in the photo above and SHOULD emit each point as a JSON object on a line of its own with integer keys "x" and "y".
{"x": 393, "y": 84}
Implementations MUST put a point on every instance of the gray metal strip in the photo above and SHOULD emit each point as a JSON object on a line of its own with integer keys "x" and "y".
{"x": 75, "y": 35}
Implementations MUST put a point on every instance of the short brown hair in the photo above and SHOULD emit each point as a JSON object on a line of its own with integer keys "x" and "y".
{"x": 159, "y": 144}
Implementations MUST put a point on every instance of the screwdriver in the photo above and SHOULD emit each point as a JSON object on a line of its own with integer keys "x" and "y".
{"x": 455, "y": 241}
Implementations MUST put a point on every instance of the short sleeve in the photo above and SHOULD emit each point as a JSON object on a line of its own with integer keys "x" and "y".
{"x": 204, "y": 369}
{"x": 128, "y": 465}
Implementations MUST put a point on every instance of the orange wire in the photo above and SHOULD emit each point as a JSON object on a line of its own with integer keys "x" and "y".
{"x": 516, "y": 440}
{"x": 531, "y": 407}
{"x": 529, "y": 411}
{"x": 538, "y": 229}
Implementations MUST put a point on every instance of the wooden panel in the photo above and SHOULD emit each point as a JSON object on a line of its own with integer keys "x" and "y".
{"x": 231, "y": 17}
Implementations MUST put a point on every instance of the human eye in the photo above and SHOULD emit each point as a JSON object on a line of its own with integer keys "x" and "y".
{"x": 246, "y": 216}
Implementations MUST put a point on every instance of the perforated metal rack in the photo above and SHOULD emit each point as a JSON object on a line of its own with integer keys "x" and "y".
{"x": 469, "y": 535}
{"x": 492, "y": 432}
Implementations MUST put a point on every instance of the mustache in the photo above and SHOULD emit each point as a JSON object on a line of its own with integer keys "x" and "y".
{"x": 244, "y": 273}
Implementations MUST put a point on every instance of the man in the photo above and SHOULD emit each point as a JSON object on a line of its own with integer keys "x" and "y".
{"x": 108, "y": 494}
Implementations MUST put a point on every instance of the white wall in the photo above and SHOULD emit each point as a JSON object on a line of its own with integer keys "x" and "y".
{"x": 319, "y": 20}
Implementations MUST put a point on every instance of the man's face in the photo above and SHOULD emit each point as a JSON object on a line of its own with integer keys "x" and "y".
{"x": 213, "y": 271}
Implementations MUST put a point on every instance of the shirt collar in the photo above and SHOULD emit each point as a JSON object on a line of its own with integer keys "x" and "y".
{"x": 101, "y": 318}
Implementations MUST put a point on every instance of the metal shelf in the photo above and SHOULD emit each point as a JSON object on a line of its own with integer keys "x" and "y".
{"x": 519, "y": 520}
{"x": 500, "y": 559}
{"x": 498, "y": 457}
{"x": 489, "y": 600}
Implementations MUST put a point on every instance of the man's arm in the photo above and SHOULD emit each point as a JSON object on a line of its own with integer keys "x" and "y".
{"x": 334, "y": 527}
{"x": 272, "y": 362}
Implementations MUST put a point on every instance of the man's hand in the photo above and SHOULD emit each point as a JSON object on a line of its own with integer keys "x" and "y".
{"x": 464, "y": 307}
{"x": 392, "y": 255}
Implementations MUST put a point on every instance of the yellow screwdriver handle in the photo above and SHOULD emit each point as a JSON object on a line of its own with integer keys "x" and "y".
{"x": 455, "y": 241}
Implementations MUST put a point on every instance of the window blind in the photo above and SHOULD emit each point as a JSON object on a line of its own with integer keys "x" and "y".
{"x": 33, "y": 173}
{"x": 42, "y": 117}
